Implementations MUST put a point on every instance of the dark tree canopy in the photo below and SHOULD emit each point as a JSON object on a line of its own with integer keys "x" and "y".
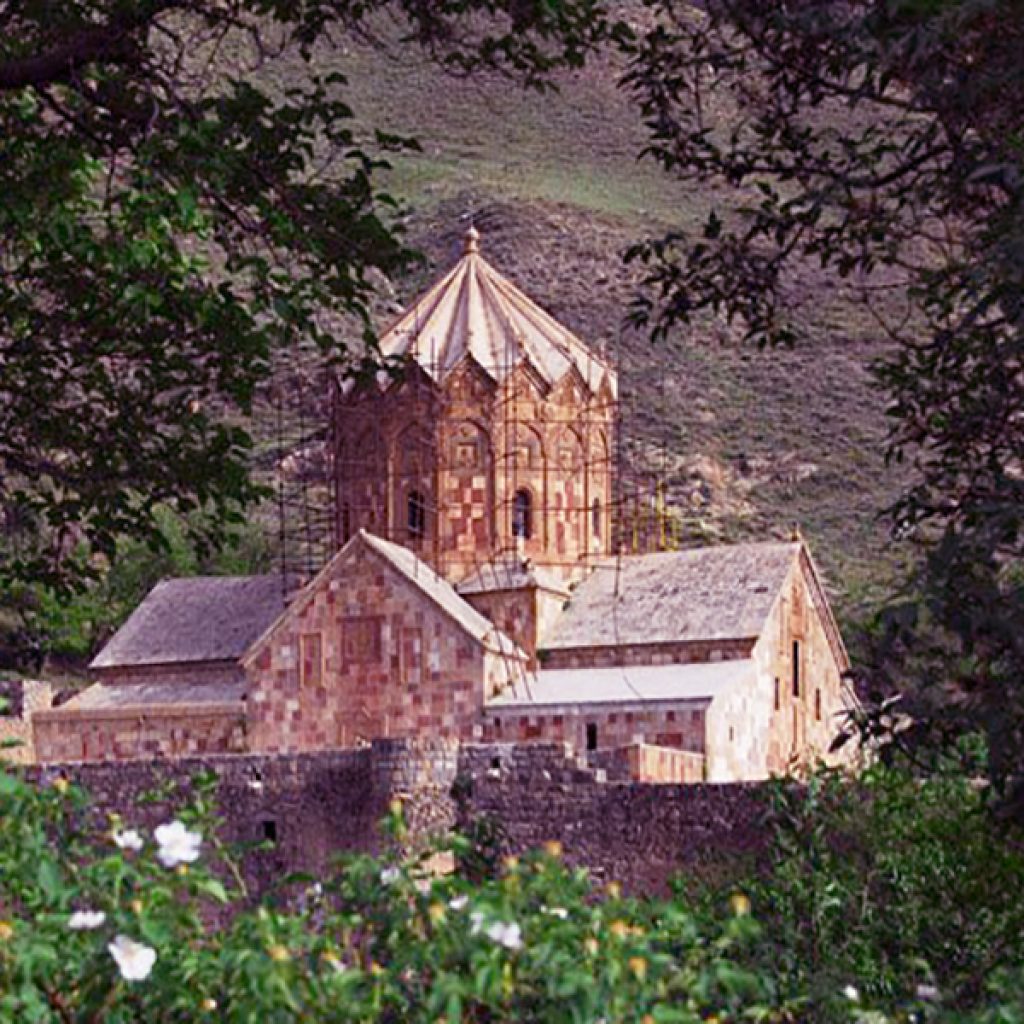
{"x": 170, "y": 217}
{"x": 884, "y": 143}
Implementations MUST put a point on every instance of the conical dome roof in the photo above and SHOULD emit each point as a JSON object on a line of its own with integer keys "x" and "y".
{"x": 474, "y": 311}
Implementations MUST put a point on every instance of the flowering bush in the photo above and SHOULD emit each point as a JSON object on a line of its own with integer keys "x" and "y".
{"x": 118, "y": 924}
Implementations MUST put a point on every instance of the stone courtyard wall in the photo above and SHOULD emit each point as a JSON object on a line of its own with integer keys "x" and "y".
{"x": 316, "y": 805}
{"x": 635, "y": 833}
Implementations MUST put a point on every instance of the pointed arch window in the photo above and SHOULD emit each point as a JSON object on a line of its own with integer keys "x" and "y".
{"x": 416, "y": 515}
{"x": 522, "y": 514}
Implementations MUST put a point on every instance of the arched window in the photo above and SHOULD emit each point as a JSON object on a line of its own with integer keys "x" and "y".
{"x": 522, "y": 514}
{"x": 416, "y": 515}
{"x": 595, "y": 517}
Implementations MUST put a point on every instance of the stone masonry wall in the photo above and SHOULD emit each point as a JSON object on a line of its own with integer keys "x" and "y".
{"x": 315, "y": 805}
{"x": 185, "y": 730}
{"x": 637, "y": 834}
{"x": 677, "y": 724}
{"x": 642, "y": 762}
{"x": 332, "y": 676}
{"x": 23, "y": 697}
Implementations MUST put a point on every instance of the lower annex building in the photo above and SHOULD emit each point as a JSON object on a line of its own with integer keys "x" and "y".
{"x": 475, "y": 593}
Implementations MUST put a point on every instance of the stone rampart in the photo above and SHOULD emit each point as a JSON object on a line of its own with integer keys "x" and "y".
{"x": 315, "y": 805}
{"x": 639, "y": 834}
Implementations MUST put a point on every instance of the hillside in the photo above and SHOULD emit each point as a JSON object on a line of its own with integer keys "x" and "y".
{"x": 750, "y": 442}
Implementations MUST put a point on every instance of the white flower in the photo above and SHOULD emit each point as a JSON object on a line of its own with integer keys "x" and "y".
{"x": 86, "y": 920}
{"x": 458, "y": 902}
{"x": 337, "y": 965}
{"x": 129, "y": 839}
{"x": 177, "y": 844}
{"x": 851, "y": 993}
{"x": 134, "y": 960}
{"x": 390, "y": 875}
{"x": 560, "y": 912}
{"x": 508, "y": 935}
{"x": 928, "y": 993}
{"x": 476, "y": 922}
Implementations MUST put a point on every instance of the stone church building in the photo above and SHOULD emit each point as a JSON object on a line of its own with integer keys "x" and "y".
{"x": 476, "y": 591}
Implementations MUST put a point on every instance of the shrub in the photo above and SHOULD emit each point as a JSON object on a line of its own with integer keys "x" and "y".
{"x": 103, "y": 924}
{"x": 892, "y": 885}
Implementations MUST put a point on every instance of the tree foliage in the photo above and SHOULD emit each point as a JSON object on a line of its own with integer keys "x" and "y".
{"x": 172, "y": 215}
{"x": 882, "y": 143}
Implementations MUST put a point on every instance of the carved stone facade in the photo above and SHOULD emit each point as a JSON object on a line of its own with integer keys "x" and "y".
{"x": 495, "y": 435}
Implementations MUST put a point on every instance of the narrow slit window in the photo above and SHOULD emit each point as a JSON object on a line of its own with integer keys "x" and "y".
{"x": 522, "y": 514}
{"x": 591, "y": 736}
{"x": 796, "y": 668}
{"x": 346, "y": 523}
{"x": 416, "y": 510}
{"x": 311, "y": 659}
{"x": 817, "y": 705}
{"x": 778, "y": 694}
{"x": 595, "y": 515}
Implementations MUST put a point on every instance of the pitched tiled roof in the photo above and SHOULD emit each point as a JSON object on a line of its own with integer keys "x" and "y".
{"x": 699, "y": 681}
{"x": 510, "y": 573}
{"x": 154, "y": 696}
{"x": 442, "y": 593}
{"x": 714, "y": 593}
{"x": 474, "y": 311}
{"x": 199, "y": 618}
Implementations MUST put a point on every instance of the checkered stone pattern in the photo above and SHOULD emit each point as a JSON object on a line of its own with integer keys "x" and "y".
{"x": 473, "y": 444}
{"x": 394, "y": 665}
{"x": 127, "y": 736}
{"x": 514, "y": 612}
{"x": 680, "y": 726}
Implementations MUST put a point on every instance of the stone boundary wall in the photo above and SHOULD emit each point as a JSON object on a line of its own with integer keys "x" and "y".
{"x": 316, "y": 805}
{"x": 638, "y": 834}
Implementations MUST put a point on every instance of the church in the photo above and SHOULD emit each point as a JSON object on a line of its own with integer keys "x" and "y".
{"x": 480, "y": 589}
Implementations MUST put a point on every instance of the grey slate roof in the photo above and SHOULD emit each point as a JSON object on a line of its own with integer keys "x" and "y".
{"x": 200, "y": 618}
{"x": 713, "y": 593}
{"x": 442, "y": 593}
{"x": 510, "y": 573}
{"x": 153, "y": 696}
{"x": 695, "y": 681}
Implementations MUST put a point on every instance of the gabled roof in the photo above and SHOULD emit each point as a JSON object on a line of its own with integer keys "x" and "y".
{"x": 417, "y": 572}
{"x": 475, "y": 312}
{"x": 143, "y": 697}
{"x": 714, "y": 593}
{"x": 510, "y": 573}
{"x": 696, "y": 681}
{"x": 195, "y": 619}
{"x": 442, "y": 593}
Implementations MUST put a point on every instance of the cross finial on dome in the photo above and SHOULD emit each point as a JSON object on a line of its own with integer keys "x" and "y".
{"x": 472, "y": 239}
